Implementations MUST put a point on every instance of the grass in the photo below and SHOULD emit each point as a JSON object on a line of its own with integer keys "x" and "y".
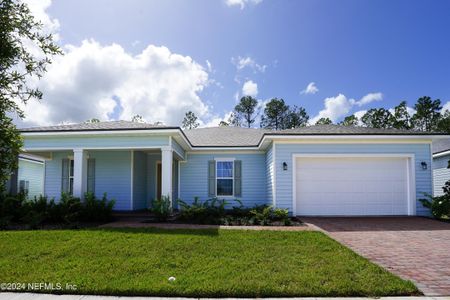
{"x": 206, "y": 263}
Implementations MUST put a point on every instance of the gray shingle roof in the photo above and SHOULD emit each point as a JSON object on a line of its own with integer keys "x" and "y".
{"x": 110, "y": 125}
{"x": 440, "y": 146}
{"x": 347, "y": 130}
{"x": 226, "y": 136}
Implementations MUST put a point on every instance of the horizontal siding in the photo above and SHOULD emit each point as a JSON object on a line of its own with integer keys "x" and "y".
{"x": 284, "y": 152}
{"x": 178, "y": 148}
{"x": 31, "y": 143}
{"x": 194, "y": 177}
{"x": 441, "y": 174}
{"x": 32, "y": 172}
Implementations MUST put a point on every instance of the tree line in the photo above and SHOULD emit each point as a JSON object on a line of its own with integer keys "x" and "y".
{"x": 277, "y": 115}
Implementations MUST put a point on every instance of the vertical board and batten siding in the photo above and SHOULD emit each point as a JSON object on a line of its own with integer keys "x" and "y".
{"x": 441, "y": 174}
{"x": 270, "y": 173}
{"x": 53, "y": 174}
{"x": 194, "y": 177}
{"x": 33, "y": 172}
{"x": 175, "y": 195}
{"x": 113, "y": 176}
{"x": 140, "y": 180}
{"x": 284, "y": 152}
{"x": 152, "y": 160}
{"x": 86, "y": 142}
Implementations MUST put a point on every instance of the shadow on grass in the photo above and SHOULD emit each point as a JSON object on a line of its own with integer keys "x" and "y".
{"x": 153, "y": 230}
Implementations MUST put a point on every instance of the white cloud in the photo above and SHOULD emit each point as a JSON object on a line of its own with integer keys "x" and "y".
{"x": 335, "y": 107}
{"x": 310, "y": 89}
{"x": 216, "y": 119}
{"x": 242, "y": 3}
{"x": 445, "y": 107}
{"x": 248, "y": 62}
{"x": 209, "y": 65}
{"x": 105, "y": 82}
{"x": 340, "y": 106}
{"x": 369, "y": 98}
{"x": 38, "y": 10}
{"x": 250, "y": 88}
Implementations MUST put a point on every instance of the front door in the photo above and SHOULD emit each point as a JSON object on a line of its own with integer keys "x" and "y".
{"x": 158, "y": 180}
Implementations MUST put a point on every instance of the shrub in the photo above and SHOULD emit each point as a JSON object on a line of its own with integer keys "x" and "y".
{"x": 440, "y": 205}
{"x": 161, "y": 208}
{"x": 40, "y": 210}
{"x": 11, "y": 207}
{"x": 261, "y": 215}
{"x": 210, "y": 211}
{"x": 95, "y": 210}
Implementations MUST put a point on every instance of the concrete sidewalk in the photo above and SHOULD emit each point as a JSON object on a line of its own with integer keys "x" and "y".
{"x": 26, "y": 296}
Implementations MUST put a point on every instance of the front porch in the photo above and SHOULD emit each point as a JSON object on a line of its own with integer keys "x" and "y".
{"x": 132, "y": 177}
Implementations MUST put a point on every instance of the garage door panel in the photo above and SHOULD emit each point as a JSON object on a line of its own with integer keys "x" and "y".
{"x": 351, "y": 186}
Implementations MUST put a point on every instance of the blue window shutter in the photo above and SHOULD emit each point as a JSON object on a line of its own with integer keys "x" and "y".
{"x": 237, "y": 178}
{"x": 212, "y": 178}
{"x": 91, "y": 175}
{"x": 65, "y": 176}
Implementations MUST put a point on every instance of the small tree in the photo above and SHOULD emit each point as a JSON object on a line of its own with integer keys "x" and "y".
{"x": 324, "y": 121}
{"x": 246, "y": 110}
{"x": 137, "y": 119}
{"x": 275, "y": 114}
{"x": 378, "y": 118}
{"x": 427, "y": 114}
{"x": 351, "y": 120}
{"x": 296, "y": 117}
{"x": 19, "y": 32}
{"x": 93, "y": 120}
{"x": 190, "y": 121}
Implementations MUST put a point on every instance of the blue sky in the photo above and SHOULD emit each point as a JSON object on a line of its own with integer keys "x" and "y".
{"x": 387, "y": 51}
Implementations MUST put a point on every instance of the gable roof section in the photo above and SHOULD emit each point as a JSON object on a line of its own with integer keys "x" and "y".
{"x": 440, "y": 146}
{"x": 227, "y": 136}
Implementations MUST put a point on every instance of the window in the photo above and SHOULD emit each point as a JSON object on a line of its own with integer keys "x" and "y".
{"x": 24, "y": 186}
{"x": 71, "y": 176}
{"x": 225, "y": 178}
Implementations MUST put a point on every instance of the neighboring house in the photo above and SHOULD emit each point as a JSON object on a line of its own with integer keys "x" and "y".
{"x": 441, "y": 171}
{"x": 314, "y": 170}
{"x": 30, "y": 174}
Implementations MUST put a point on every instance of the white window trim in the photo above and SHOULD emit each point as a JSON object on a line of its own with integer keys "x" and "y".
{"x": 232, "y": 176}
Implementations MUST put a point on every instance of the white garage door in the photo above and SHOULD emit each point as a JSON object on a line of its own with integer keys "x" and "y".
{"x": 351, "y": 186}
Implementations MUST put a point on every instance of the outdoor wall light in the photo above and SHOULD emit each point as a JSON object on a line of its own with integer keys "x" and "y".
{"x": 284, "y": 166}
{"x": 424, "y": 165}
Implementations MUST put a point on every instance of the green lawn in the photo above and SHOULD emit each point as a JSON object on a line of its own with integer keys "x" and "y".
{"x": 206, "y": 263}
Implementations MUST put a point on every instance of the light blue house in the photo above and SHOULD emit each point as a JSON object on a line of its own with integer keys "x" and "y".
{"x": 314, "y": 170}
{"x": 31, "y": 173}
{"x": 30, "y": 176}
{"x": 441, "y": 163}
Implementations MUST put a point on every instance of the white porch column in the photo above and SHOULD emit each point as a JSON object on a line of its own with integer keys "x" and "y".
{"x": 166, "y": 172}
{"x": 79, "y": 172}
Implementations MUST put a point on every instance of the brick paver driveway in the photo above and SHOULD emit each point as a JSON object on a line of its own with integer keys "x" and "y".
{"x": 414, "y": 248}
